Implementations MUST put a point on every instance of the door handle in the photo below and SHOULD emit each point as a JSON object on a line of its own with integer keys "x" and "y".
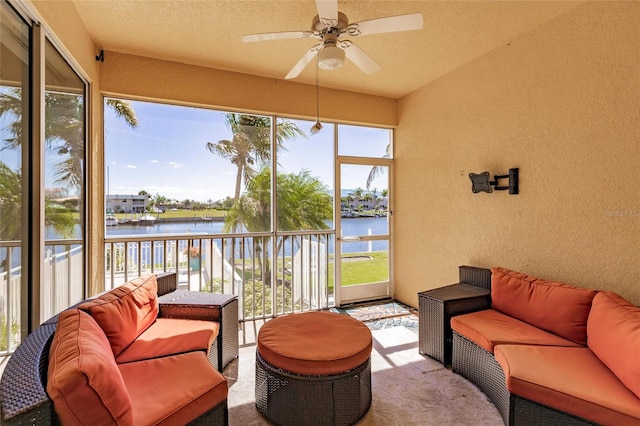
{"x": 349, "y": 238}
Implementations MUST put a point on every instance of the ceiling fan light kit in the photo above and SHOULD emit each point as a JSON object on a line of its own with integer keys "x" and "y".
{"x": 330, "y": 57}
{"x": 329, "y": 26}
{"x": 315, "y": 129}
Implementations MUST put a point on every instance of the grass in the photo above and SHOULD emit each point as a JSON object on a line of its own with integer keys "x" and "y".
{"x": 364, "y": 271}
{"x": 360, "y": 271}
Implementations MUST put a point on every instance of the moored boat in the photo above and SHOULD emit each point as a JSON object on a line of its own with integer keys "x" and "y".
{"x": 146, "y": 219}
{"x": 111, "y": 220}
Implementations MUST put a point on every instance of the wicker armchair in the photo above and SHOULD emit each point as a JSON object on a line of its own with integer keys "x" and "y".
{"x": 23, "y": 396}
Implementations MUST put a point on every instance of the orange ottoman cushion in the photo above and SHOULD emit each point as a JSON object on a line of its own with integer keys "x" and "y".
{"x": 315, "y": 343}
{"x": 126, "y": 311}
{"x": 84, "y": 382}
{"x": 559, "y": 308}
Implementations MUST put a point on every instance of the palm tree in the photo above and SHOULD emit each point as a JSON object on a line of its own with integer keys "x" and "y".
{"x": 10, "y": 203}
{"x": 64, "y": 128}
{"x": 251, "y": 144}
{"x": 60, "y": 217}
{"x": 304, "y": 203}
{"x": 64, "y": 135}
{"x": 357, "y": 193}
{"x": 376, "y": 170}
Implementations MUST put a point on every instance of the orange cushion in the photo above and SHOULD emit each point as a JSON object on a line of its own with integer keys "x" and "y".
{"x": 126, "y": 311}
{"x": 317, "y": 343}
{"x": 572, "y": 380}
{"x": 489, "y": 328}
{"x": 168, "y": 336}
{"x": 173, "y": 390}
{"x": 614, "y": 336}
{"x": 84, "y": 382}
{"x": 559, "y": 308}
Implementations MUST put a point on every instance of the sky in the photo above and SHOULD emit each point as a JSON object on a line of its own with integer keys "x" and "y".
{"x": 166, "y": 154}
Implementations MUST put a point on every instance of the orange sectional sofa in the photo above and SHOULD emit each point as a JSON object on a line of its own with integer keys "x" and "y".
{"x": 551, "y": 353}
{"x": 113, "y": 360}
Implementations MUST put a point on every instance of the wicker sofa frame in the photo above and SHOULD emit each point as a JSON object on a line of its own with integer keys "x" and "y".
{"x": 337, "y": 399}
{"x": 480, "y": 367}
{"x": 23, "y": 396}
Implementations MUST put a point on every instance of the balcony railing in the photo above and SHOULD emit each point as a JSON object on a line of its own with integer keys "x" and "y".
{"x": 271, "y": 275}
{"x": 62, "y": 285}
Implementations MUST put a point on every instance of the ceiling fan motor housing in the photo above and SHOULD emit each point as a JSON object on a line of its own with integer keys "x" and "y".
{"x": 323, "y": 26}
{"x": 328, "y": 26}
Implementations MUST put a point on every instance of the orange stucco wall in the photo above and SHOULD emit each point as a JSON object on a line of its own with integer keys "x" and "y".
{"x": 148, "y": 78}
{"x": 562, "y": 103}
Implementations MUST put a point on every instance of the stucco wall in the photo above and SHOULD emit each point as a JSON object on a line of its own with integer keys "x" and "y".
{"x": 149, "y": 78}
{"x": 562, "y": 103}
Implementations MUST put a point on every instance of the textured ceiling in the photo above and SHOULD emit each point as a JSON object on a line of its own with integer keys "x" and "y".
{"x": 208, "y": 33}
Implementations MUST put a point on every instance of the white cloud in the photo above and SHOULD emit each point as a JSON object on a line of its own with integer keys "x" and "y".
{"x": 131, "y": 166}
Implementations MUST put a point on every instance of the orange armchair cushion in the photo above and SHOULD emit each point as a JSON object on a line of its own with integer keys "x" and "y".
{"x": 559, "y": 308}
{"x": 572, "y": 380}
{"x": 84, "y": 382}
{"x": 173, "y": 390}
{"x": 170, "y": 336}
{"x": 489, "y": 328}
{"x": 126, "y": 311}
{"x": 614, "y": 336}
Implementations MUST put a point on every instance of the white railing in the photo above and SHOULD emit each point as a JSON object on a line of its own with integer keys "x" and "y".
{"x": 62, "y": 286}
{"x": 270, "y": 275}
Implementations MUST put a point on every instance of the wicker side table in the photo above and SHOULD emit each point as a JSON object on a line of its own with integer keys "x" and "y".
{"x": 222, "y": 308}
{"x": 436, "y": 307}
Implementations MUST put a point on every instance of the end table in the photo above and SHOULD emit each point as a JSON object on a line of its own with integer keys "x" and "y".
{"x": 436, "y": 307}
{"x": 222, "y": 308}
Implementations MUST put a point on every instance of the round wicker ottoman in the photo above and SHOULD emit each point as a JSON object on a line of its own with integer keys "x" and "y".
{"x": 313, "y": 368}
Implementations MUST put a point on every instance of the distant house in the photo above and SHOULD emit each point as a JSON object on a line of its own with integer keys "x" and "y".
{"x": 127, "y": 203}
{"x": 364, "y": 204}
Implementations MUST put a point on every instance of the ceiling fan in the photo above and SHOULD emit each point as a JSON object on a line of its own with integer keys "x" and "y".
{"x": 332, "y": 28}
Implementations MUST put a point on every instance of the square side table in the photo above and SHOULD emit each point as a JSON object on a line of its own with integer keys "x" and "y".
{"x": 222, "y": 308}
{"x": 436, "y": 307}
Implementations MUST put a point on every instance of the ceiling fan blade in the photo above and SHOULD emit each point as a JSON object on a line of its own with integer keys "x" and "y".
{"x": 328, "y": 12}
{"x": 361, "y": 59}
{"x": 276, "y": 36}
{"x": 303, "y": 62}
{"x": 413, "y": 21}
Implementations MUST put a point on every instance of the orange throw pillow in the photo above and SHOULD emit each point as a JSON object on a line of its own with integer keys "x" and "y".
{"x": 126, "y": 311}
{"x": 552, "y": 306}
{"x": 83, "y": 379}
{"x": 614, "y": 336}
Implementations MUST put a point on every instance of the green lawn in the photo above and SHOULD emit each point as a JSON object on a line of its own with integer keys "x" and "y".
{"x": 359, "y": 271}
